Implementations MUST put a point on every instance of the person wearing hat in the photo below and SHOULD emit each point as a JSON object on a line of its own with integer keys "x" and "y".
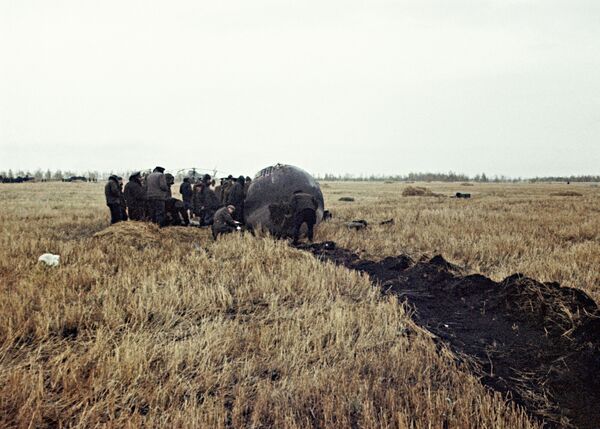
{"x": 223, "y": 222}
{"x": 236, "y": 198}
{"x": 157, "y": 193}
{"x": 112, "y": 192}
{"x": 135, "y": 197}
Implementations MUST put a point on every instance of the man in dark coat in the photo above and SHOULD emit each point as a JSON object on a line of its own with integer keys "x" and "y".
{"x": 157, "y": 194}
{"x": 304, "y": 210}
{"x": 185, "y": 189}
{"x": 135, "y": 197}
{"x": 205, "y": 203}
{"x": 224, "y": 223}
{"x": 112, "y": 192}
{"x": 236, "y": 198}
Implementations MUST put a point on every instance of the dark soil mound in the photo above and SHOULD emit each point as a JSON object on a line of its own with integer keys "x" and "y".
{"x": 538, "y": 343}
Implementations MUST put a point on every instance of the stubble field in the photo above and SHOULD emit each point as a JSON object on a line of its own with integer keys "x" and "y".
{"x": 167, "y": 329}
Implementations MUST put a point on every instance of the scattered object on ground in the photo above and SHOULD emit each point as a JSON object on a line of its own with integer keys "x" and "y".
{"x": 537, "y": 343}
{"x": 357, "y": 224}
{"x": 389, "y": 182}
{"x": 417, "y": 191}
{"x": 462, "y": 195}
{"x": 387, "y": 222}
{"x": 566, "y": 194}
{"x": 347, "y": 199}
{"x": 327, "y": 215}
{"x": 467, "y": 184}
{"x": 49, "y": 259}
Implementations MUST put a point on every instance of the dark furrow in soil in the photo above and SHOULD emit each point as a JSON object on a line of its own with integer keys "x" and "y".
{"x": 538, "y": 343}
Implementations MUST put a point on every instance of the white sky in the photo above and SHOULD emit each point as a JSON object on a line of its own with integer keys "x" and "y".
{"x": 386, "y": 87}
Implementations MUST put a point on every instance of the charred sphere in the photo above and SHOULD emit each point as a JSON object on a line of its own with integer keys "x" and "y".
{"x": 267, "y": 202}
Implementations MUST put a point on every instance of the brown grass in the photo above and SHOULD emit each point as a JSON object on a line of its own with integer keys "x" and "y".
{"x": 508, "y": 228}
{"x": 164, "y": 328}
{"x": 417, "y": 191}
{"x": 566, "y": 194}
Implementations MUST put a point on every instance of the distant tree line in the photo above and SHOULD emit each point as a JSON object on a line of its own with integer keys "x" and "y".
{"x": 583, "y": 179}
{"x": 49, "y": 175}
{"x": 59, "y": 175}
{"x": 420, "y": 177}
{"x": 453, "y": 177}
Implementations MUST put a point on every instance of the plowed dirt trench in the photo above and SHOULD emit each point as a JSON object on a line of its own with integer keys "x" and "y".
{"x": 538, "y": 343}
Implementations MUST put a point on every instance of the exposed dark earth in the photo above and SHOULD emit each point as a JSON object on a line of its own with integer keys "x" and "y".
{"x": 537, "y": 343}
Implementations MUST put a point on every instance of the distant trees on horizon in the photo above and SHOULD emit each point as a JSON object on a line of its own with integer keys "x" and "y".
{"x": 59, "y": 175}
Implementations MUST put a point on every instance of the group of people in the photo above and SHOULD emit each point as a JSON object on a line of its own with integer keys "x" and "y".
{"x": 149, "y": 198}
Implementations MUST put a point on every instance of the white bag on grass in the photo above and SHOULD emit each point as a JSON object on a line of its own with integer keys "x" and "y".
{"x": 49, "y": 259}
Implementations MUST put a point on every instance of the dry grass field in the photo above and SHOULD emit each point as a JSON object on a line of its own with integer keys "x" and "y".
{"x": 164, "y": 328}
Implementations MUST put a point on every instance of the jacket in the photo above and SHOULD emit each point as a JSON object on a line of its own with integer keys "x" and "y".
{"x": 134, "y": 195}
{"x": 223, "y": 220}
{"x": 112, "y": 191}
{"x": 236, "y": 195}
{"x": 157, "y": 186}
{"x": 185, "y": 189}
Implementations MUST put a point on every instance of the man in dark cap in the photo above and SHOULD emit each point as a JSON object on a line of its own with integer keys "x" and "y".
{"x": 112, "y": 192}
{"x": 224, "y": 223}
{"x": 157, "y": 194}
{"x": 135, "y": 197}
{"x": 304, "y": 210}
{"x": 236, "y": 198}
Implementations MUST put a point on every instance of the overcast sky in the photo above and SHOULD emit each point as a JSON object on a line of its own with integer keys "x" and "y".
{"x": 387, "y": 87}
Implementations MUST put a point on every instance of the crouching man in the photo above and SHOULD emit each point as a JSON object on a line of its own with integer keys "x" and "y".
{"x": 223, "y": 222}
{"x": 304, "y": 209}
{"x": 176, "y": 214}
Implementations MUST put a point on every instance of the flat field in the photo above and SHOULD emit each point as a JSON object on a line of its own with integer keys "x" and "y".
{"x": 164, "y": 328}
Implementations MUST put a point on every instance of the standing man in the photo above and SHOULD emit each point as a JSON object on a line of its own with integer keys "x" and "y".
{"x": 135, "y": 197}
{"x": 158, "y": 192}
{"x": 236, "y": 198}
{"x": 112, "y": 193}
{"x": 304, "y": 209}
{"x": 185, "y": 189}
{"x": 225, "y": 187}
{"x": 224, "y": 223}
